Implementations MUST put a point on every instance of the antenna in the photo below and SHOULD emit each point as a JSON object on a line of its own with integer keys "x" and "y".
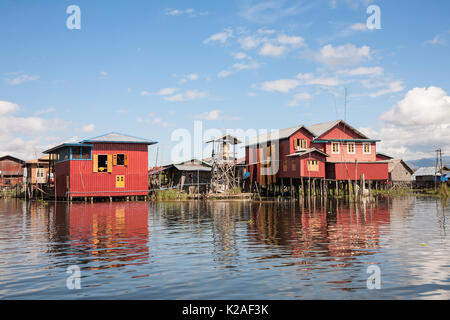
{"x": 345, "y": 106}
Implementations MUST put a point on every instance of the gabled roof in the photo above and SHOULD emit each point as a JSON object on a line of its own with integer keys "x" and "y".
{"x": 114, "y": 137}
{"x": 282, "y": 134}
{"x": 384, "y": 155}
{"x": 191, "y": 165}
{"x": 307, "y": 151}
{"x": 394, "y": 162}
{"x": 12, "y": 158}
{"x": 321, "y": 128}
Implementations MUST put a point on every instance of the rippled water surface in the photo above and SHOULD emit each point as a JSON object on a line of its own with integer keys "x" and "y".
{"x": 225, "y": 249}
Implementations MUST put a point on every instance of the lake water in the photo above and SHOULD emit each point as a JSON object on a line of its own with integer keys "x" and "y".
{"x": 225, "y": 250}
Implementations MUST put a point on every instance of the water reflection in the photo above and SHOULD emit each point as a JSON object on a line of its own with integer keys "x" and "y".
{"x": 225, "y": 249}
{"x": 109, "y": 235}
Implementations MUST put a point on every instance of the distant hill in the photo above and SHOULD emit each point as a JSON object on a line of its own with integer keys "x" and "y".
{"x": 428, "y": 162}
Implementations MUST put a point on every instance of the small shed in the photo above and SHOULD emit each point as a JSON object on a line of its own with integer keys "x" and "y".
{"x": 193, "y": 175}
{"x": 425, "y": 177}
{"x": 400, "y": 173}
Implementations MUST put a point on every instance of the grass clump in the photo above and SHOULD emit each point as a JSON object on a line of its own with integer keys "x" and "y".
{"x": 170, "y": 194}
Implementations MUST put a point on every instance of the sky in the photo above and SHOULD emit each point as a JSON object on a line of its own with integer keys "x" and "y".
{"x": 158, "y": 69}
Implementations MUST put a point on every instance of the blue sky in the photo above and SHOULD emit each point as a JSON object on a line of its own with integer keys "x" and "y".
{"x": 148, "y": 68}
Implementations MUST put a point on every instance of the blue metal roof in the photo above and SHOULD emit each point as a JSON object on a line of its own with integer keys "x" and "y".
{"x": 115, "y": 137}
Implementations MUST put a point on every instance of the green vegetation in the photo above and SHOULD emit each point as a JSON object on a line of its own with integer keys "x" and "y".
{"x": 235, "y": 190}
{"x": 170, "y": 194}
{"x": 442, "y": 191}
{"x": 8, "y": 193}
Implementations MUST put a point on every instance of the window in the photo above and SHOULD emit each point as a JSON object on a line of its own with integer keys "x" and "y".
{"x": 81, "y": 153}
{"x": 102, "y": 162}
{"x": 366, "y": 148}
{"x": 334, "y": 147}
{"x": 313, "y": 165}
{"x": 39, "y": 172}
{"x": 63, "y": 154}
{"x": 294, "y": 165}
{"x": 120, "y": 159}
{"x": 300, "y": 144}
{"x": 284, "y": 165}
{"x": 350, "y": 147}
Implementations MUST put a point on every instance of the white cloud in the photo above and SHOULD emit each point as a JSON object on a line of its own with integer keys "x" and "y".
{"x": 152, "y": 119}
{"x": 290, "y": 40}
{"x": 249, "y": 42}
{"x": 221, "y": 37}
{"x": 8, "y": 107}
{"x": 224, "y": 74}
{"x": 439, "y": 39}
{"x": 21, "y": 79}
{"x": 186, "y": 96}
{"x": 178, "y": 12}
{"x": 417, "y": 125}
{"x": 359, "y": 27}
{"x": 362, "y": 71}
{"x": 310, "y": 79}
{"x": 297, "y": 98}
{"x": 268, "y": 12}
{"x": 162, "y": 92}
{"x": 347, "y": 54}
{"x": 394, "y": 86}
{"x": 266, "y": 31}
{"x": 243, "y": 66}
{"x": 103, "y": 75}
{"x": 282, "y": 85}
{"x": 421, "y": 106}
{"x": 88, "y": 128}
{"x": 213, "y": 115}
{"x": 189, "y": 77}
{"x": 240, "y": 55}
{"x": 272, "y": 51}
{"x": 48, "y": 110}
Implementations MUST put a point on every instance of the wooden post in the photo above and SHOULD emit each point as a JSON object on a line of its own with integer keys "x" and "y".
{"x": 291, "y": 188}
{"x": 336, "y": 191}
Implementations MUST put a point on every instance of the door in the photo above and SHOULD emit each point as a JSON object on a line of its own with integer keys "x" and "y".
{"x": 120, "y": 181}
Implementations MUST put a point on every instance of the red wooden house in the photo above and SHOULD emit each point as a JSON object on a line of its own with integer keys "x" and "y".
{"x": 106, "y": 166}
{"x": 11, "y": 171}
{"x": 331, "y": 150}
{"x": 292, "y": 157}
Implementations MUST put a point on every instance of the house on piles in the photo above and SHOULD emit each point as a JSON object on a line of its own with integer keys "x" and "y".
{"x": 332, "y": 150}
{"x": 111, "y": 165}
{"x": 11, "y": 171}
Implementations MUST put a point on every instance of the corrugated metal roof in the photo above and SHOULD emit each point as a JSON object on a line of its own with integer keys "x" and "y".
{"x": 425, "y": 171}
{"x": 183, "y": 167}
{"x": 320, "y": 128}
{"x": 115, "y": 137}
{"x": 282, "y": 134}
{"x": 226, "y": 138}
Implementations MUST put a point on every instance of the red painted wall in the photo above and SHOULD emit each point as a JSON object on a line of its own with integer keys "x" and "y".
{"x": 372, "y": 171}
